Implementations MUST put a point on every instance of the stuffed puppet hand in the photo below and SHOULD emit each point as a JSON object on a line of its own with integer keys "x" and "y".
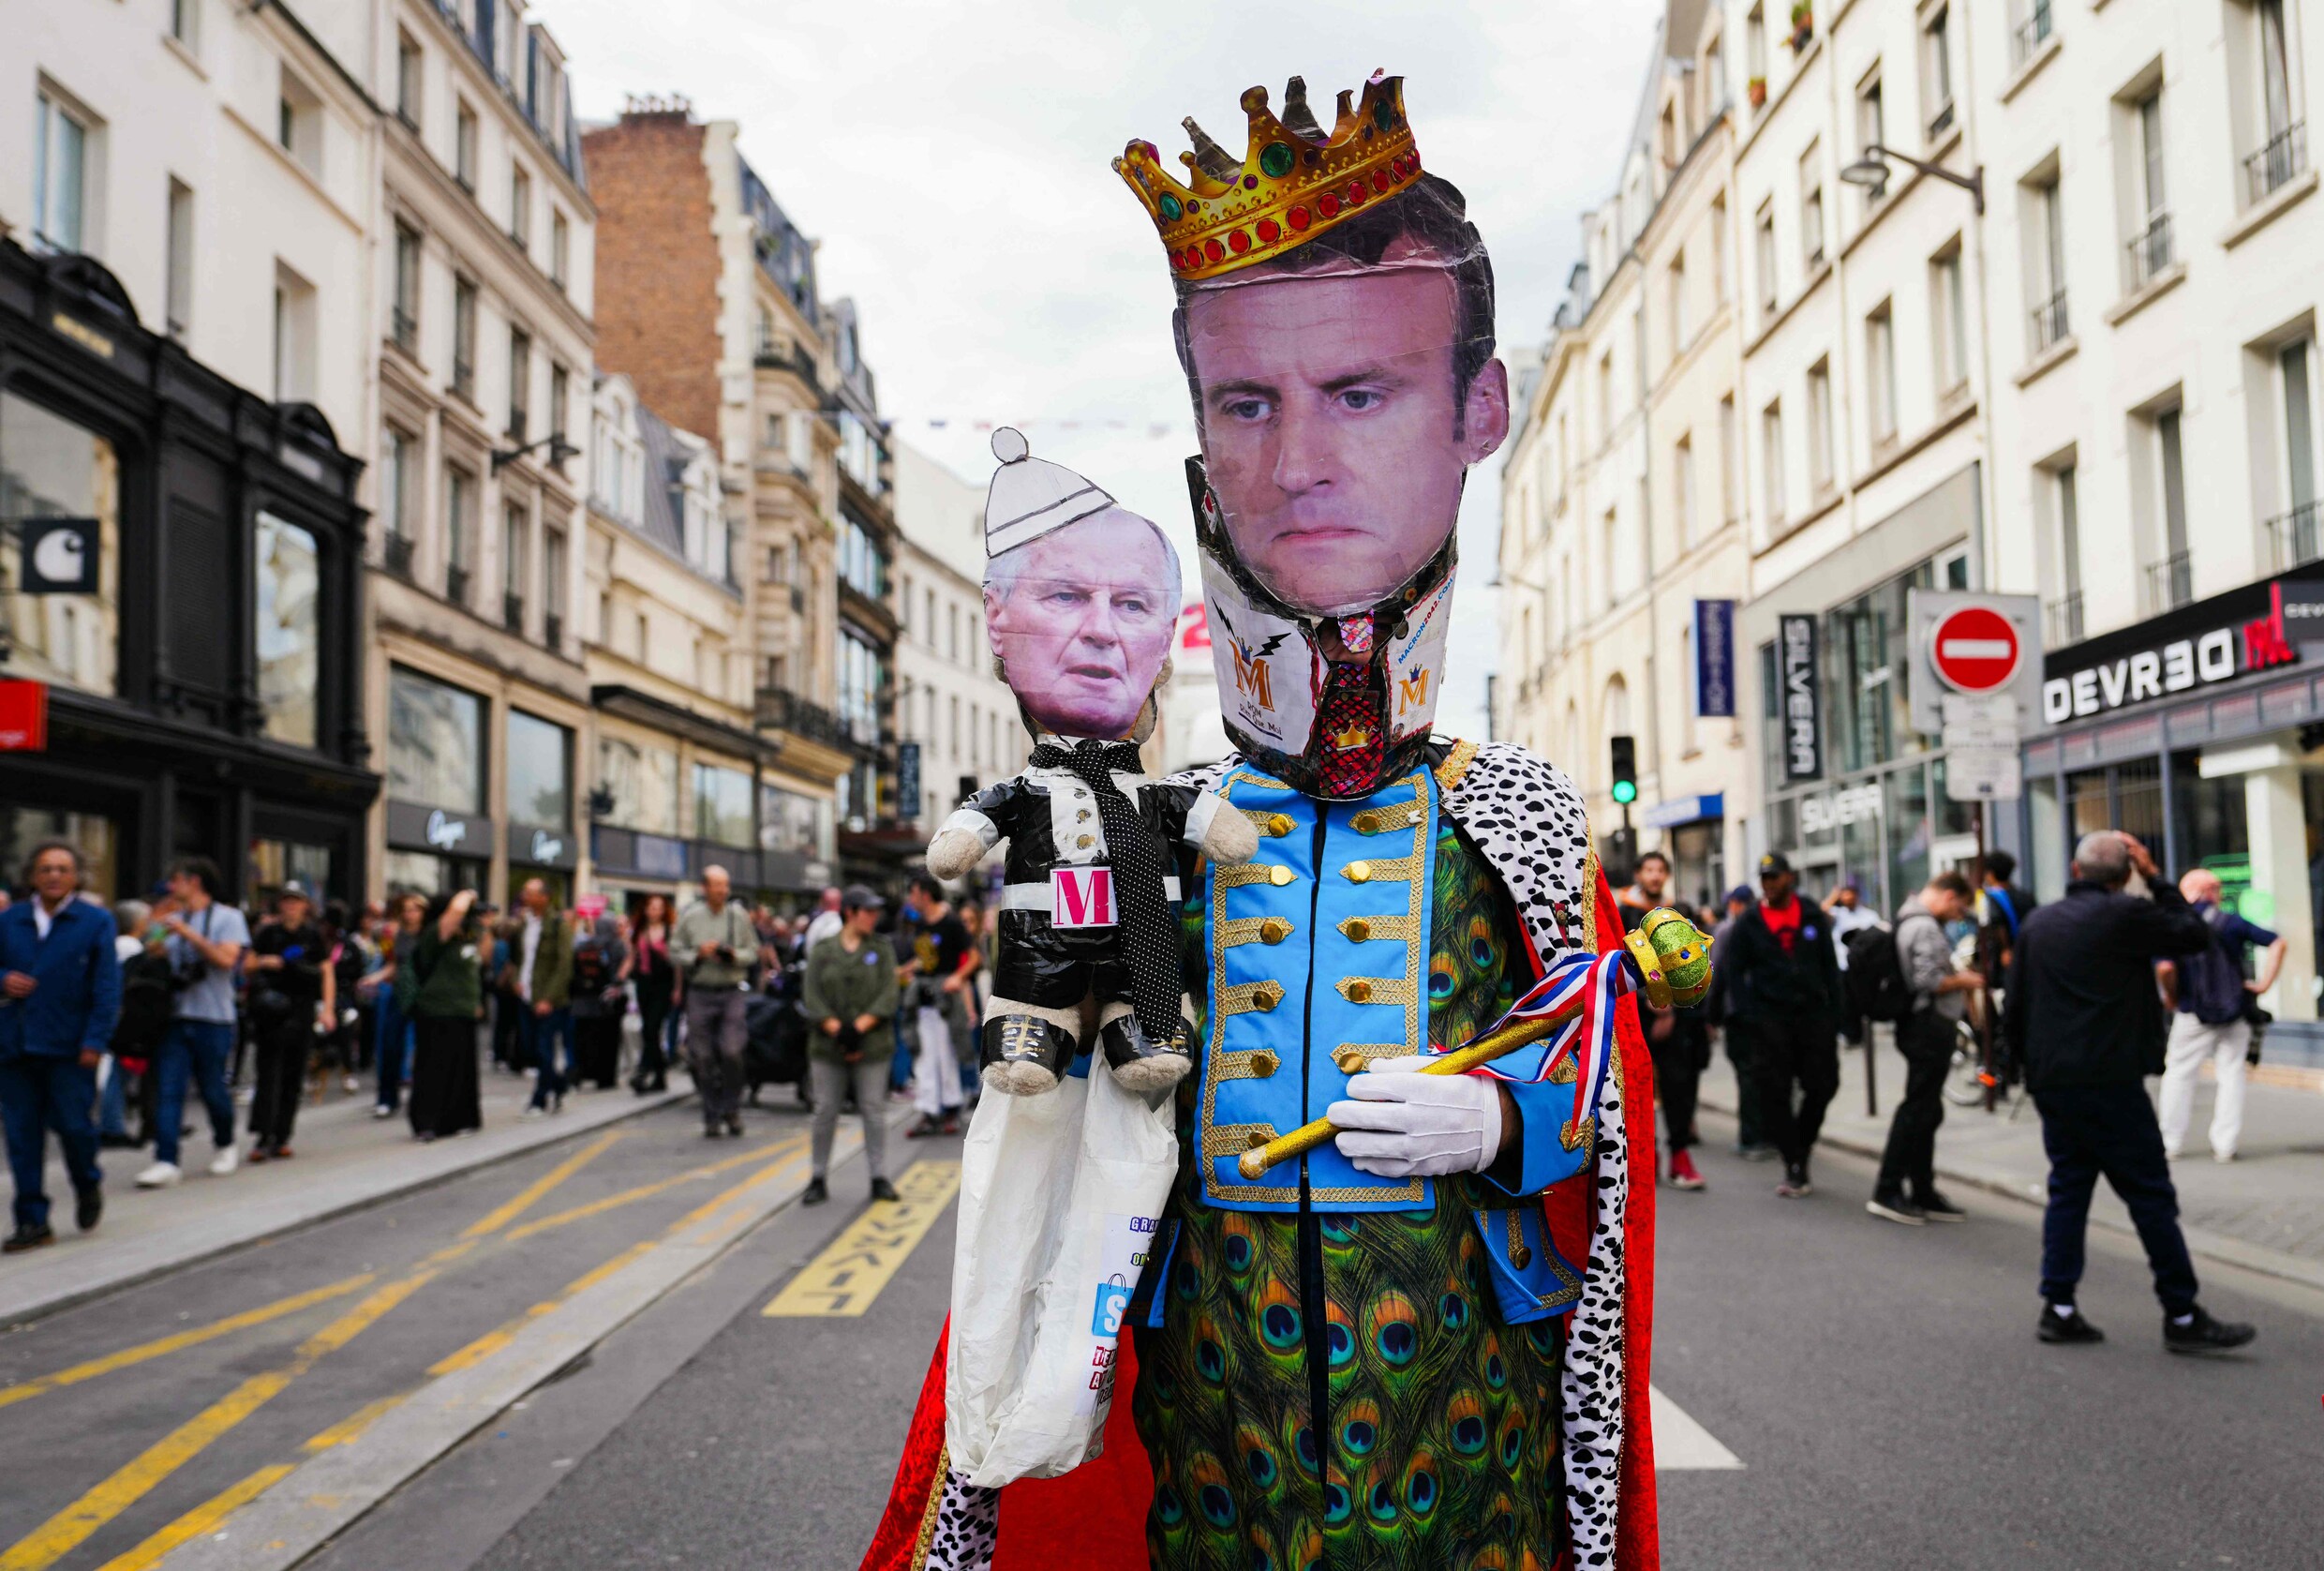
{"x": 1400, "y": 1123}
{"x": 954, "y": 852}
{"x": 1230, "y": 837}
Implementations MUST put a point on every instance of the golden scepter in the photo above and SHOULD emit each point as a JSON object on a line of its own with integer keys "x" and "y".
{"x": 1668, "y": 956}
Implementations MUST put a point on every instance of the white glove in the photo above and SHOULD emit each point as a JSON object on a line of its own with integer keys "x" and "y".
{"x": 1403, "y": 1125}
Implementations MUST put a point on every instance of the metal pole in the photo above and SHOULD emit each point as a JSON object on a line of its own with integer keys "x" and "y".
{"x": 1985, "y": 993}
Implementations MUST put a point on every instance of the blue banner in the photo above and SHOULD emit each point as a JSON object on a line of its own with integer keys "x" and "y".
{"x": 1714, "y": 659}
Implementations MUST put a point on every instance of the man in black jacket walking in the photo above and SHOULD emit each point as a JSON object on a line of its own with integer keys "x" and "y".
{"x": 1783, "y": 1011}
{"x": 2083, "y": 1006}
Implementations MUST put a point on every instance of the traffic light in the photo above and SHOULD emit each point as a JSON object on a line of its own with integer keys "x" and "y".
{"x": 1625, "y": 770}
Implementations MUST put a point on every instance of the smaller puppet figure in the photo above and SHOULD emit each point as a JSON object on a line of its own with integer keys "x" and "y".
{"x": 1081, "y": 599}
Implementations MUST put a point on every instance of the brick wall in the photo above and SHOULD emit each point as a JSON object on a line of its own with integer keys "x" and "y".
{"x": 657, "y": 264}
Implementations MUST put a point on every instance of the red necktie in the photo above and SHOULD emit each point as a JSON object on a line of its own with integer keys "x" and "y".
{"x": 1348, "y": 718}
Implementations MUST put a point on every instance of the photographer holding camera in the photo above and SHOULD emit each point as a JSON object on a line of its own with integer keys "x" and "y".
{"x": 716, "y": 945}
{"x": 207, "y": 938}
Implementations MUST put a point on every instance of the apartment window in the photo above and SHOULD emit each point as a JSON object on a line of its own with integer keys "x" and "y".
{"x": 1729, "y": 451}
{"x": 185, "y": 21}
{"x": 406, "y": 318}
{"x": 1880, "y": 373}
{"x": 1682, "y": 491}
{"x": 553, "y": 587}
{"x": 2065, "y": 611}
{"x": 2295, "y": 530}
{"x": 1606, "y": 391}
{"x": 1718, "y": 250}
{"x": 520, "y": 381}
{"x": 2150, "y": 247}
{"x": 408, "y": 81}
{"x": 1811, "y": 206}
{"x": 2170, "y": 580}
{"x": 395, "y": 454}
{"x": 2046, "y": 265}
{"x": 298, "y": 121}
{"x": 464, "y": 148}
{"x": 463, "y": 339}
{"x": 1607, "y": 536}
{"x": 60, "y": 162}
{"x": 2284, "y": 153}
{"x": 516, "y": 537}
{"x": 180, "y": 279}
{"x": 2032, "y": 31}
{"x": 1820, "y": 425}
{"x": 1755, "y": 50}
{"x": 1714, "y": 80}
{"x": 1872, "y": 127}
{"x": 559, "y": 385}
{"x": 952, "y": 633}
{"x": 295, "y": 337}
{"x": 1771, "y": 462}
{"x": 1681, "y": 330}
{"x": 1936, "y": 71}
{"x": 1763, "y": 248}
{"x": 1948, "y": 319}
{"x": 459, "y": 530}
{"x": 520, "y": 206}
{"x": 561, "y": 248}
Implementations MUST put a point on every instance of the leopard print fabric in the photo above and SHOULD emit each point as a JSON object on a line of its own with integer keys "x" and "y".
{"x": 968, "y": 1524}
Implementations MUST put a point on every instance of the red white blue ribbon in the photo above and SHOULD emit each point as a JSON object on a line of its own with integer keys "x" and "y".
{"x": 1597, "y": 983}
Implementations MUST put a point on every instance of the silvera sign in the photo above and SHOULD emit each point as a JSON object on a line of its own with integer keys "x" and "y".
{"x": 2255, "y": 628}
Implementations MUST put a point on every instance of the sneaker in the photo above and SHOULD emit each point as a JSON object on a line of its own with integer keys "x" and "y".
{"x": 27, "y": 1236}
{"x": 1757, "y": 1153}
{"x": 1896, "y": 1208}
{"x": 2202, "y": 1334}
{"x": 1682, "y": 1173}
{"x": 224, "y": 1161}
{"x": 532, "y": 1110}
{"x": 160, "y": 1176}
{"x": 734, "y": 1127}
{"x": 119, "y": 1142}
{"x": 383, "y": 1111}
{"x": 923, "y": 1129}
{"x": 713, "y": 1131}
{"x": 282, "y": 1153}
{"x": 951, "y": 1124}
{"x": 883, "y": 1189}
{"x": 258, "y": 1155}
{"x": 1938, "y": 1209}
{"x": 1795, "y": 1185}
{"x": 2067, "y": 1327}
{"x": 815, "y": 1193}
{"x": 557, "y": 1102}
{"x": 88, "y": 1208}
{"x": 350, "y": 1085}
{"x": 2223, "y": 1157}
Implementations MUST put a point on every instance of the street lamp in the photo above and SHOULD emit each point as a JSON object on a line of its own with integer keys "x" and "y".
{"x": 1870, "y": 171}
{"x": 560, "y": 450}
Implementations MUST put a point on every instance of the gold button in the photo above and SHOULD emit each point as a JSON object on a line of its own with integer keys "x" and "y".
{"x": 1359, "y": 991}
{"x": 1273, "y": 930}
{"x": 1358, "y": 872}
{"x": 1520, "y": 1257}
{"x": 1263, "y": 1064}
{"x": 1279, "y": 876}
{"x": 1357, "y": 930}
{"x": 1350, "y": 1060}
{"x": 1267, "y": 994}
{"x": 1280, "y": 824}
{"x": 1083, "y": 816}
{"x": 1085, "y": 841}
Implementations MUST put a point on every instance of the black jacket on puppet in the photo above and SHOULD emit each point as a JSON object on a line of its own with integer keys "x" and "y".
{"x": 1767, "y": 990}
{"x": 2084, "y": 1008}
{"x": 1050, "y": 820}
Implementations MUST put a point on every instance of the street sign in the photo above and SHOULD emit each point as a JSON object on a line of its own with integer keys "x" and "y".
{"x": 908, "y": 780}
{"x": 1983, "y": 774}
{"x": 23, "y": 716}
{"x": 59, "y": 556}
{"x": 1986, "y": 723}
{"x": 1980, "y": 645}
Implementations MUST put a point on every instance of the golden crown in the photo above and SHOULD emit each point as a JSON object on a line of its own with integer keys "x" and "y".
{"x": 1294, "y": 181}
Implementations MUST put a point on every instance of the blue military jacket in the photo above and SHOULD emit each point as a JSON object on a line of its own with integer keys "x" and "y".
{"x": 79, "y": 995}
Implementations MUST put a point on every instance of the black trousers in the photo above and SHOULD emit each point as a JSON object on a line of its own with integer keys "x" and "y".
{"x": 2090, "y": 1130}
{"x": 281, "y": 1051}
{"x": 653, "y": 1014}
{"x": 1908, "y": 1162}
{"x": 1787, "y": 1063}
{"x": 1677, "y": 1074}
{"x": 1747, "y": 1132}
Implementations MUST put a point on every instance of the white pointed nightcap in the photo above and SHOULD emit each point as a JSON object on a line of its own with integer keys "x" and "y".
{"x": 1030, "y": 496}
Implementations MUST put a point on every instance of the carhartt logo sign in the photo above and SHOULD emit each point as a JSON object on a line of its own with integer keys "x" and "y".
{"x": 444, "y": 831}
{"x": 1081, "y": 896}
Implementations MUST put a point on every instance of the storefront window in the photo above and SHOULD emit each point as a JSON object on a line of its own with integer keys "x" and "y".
{"x": 2046, "y": 848}
{"x": 288, "y": 637}
{"x": 540, "y": 771}
{"x": 53, "y": 471}
{"x": 435, "y": 743}
{"x": 2086, "y": 805}
{"x": 2138, "y": 801}
{"x": 419, "y": 873}
{"x": 789, "y": 821}
{"x": 1866, "y": 667}
{"x": 862, "y": 676}
{"x": 1905, "y": 817}
{"x": 643, "y": 783}
{"x": 278, "y": 864}
{"x": 98, "y": 838}
{"x": 721, "y": 805}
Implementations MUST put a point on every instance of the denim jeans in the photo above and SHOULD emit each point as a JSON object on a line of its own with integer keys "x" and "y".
{"x": 198, "y": 1050}
{"x": 545, "y": 1035}
{"x": 113, "y": 1118}
{"x": 394, "y": 1050}
{"x": 39, "y": 1092}
{"x": 2110, "y": 1129}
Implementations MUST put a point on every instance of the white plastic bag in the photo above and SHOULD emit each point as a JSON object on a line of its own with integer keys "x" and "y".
{"x": 1060, "y": 1196}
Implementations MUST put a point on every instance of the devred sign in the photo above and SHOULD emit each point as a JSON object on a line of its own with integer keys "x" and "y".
{"x": 1975, "y": 650}
{"x": 23, "y": 716}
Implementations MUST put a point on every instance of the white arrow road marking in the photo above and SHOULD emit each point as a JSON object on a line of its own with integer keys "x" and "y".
{"x": 1680, "y": 1443}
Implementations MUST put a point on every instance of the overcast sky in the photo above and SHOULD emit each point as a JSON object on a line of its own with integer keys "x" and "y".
{"x": 953, "y": 159}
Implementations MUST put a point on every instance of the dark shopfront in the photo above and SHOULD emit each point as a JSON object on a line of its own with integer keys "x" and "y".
{"x": 202, "y": 671}
{"x": 2201, "y": 732}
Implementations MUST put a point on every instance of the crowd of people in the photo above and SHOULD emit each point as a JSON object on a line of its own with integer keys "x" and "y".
{"x": 112, "y": 1018}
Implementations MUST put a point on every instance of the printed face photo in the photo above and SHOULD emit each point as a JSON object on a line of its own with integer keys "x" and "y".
{"x": 1081, "y": 620}
{"x": 1334, "y": 427}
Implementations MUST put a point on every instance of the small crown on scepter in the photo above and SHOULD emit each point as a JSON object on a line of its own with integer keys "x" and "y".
{"x": 1294, "y": 181}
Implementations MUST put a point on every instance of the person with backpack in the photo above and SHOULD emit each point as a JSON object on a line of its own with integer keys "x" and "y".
{"x": 600, "y": 1002}
{"x": 1906, "y": 974}
{"x": 145, "y": 997}
{"x": 1783, "y": 1002}
{"x": 2214, "y": 1020}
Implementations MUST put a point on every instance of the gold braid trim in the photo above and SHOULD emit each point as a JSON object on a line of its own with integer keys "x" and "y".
{"x": 1455, "y": 766}
{"x": 935, "y": 1504}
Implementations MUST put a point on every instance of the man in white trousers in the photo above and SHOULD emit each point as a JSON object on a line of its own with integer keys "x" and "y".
{"x": 943, "y": 962}
{"x": 2211, "y": 1021}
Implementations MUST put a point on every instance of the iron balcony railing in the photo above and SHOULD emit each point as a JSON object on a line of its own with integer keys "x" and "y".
{"x": 464, "y": 377}
{"x": 2148, "y": 252}
{"x": 407, "y": 330}
{"x": 2170, "y": 583}
{"x": 779, "y": 708}
{"x": 2030, "y": 33}
{"x": 2049, "y": 321}
{"x": 2065, "y": 620}
{"x": 455, "y": 584}
{"x": 2279, "y": 158}
{"x": 513, "y": 612}
{"x": 396, "y": 553}
{"x": 1942, "y": 121}
{"x": 553, "y": 630}
{"x": 2298, "y": 535}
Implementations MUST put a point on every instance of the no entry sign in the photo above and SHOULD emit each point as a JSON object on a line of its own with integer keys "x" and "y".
{"x": 1975, "y": 650}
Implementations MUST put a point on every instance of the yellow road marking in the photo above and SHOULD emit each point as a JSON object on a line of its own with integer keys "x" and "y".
{"x": 356, "y": 1422}
{"x": 203, "y": 1519}
{"x": 645, "y": 1191}
{"x": 500, "y": 1216}
{"x": 849, "y": 1274}
{"x": 178, "y": 1341}
{"x": 64, "y": 1532}
{"x": 493, "y": 1341}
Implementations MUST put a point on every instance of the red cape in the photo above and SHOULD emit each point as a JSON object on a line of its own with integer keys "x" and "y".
{"x": 1095, "y": 1517}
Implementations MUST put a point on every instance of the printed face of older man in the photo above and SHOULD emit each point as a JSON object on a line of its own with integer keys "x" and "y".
{"x": 1333, "y": 429}
{"x": 1082, "y": 621}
